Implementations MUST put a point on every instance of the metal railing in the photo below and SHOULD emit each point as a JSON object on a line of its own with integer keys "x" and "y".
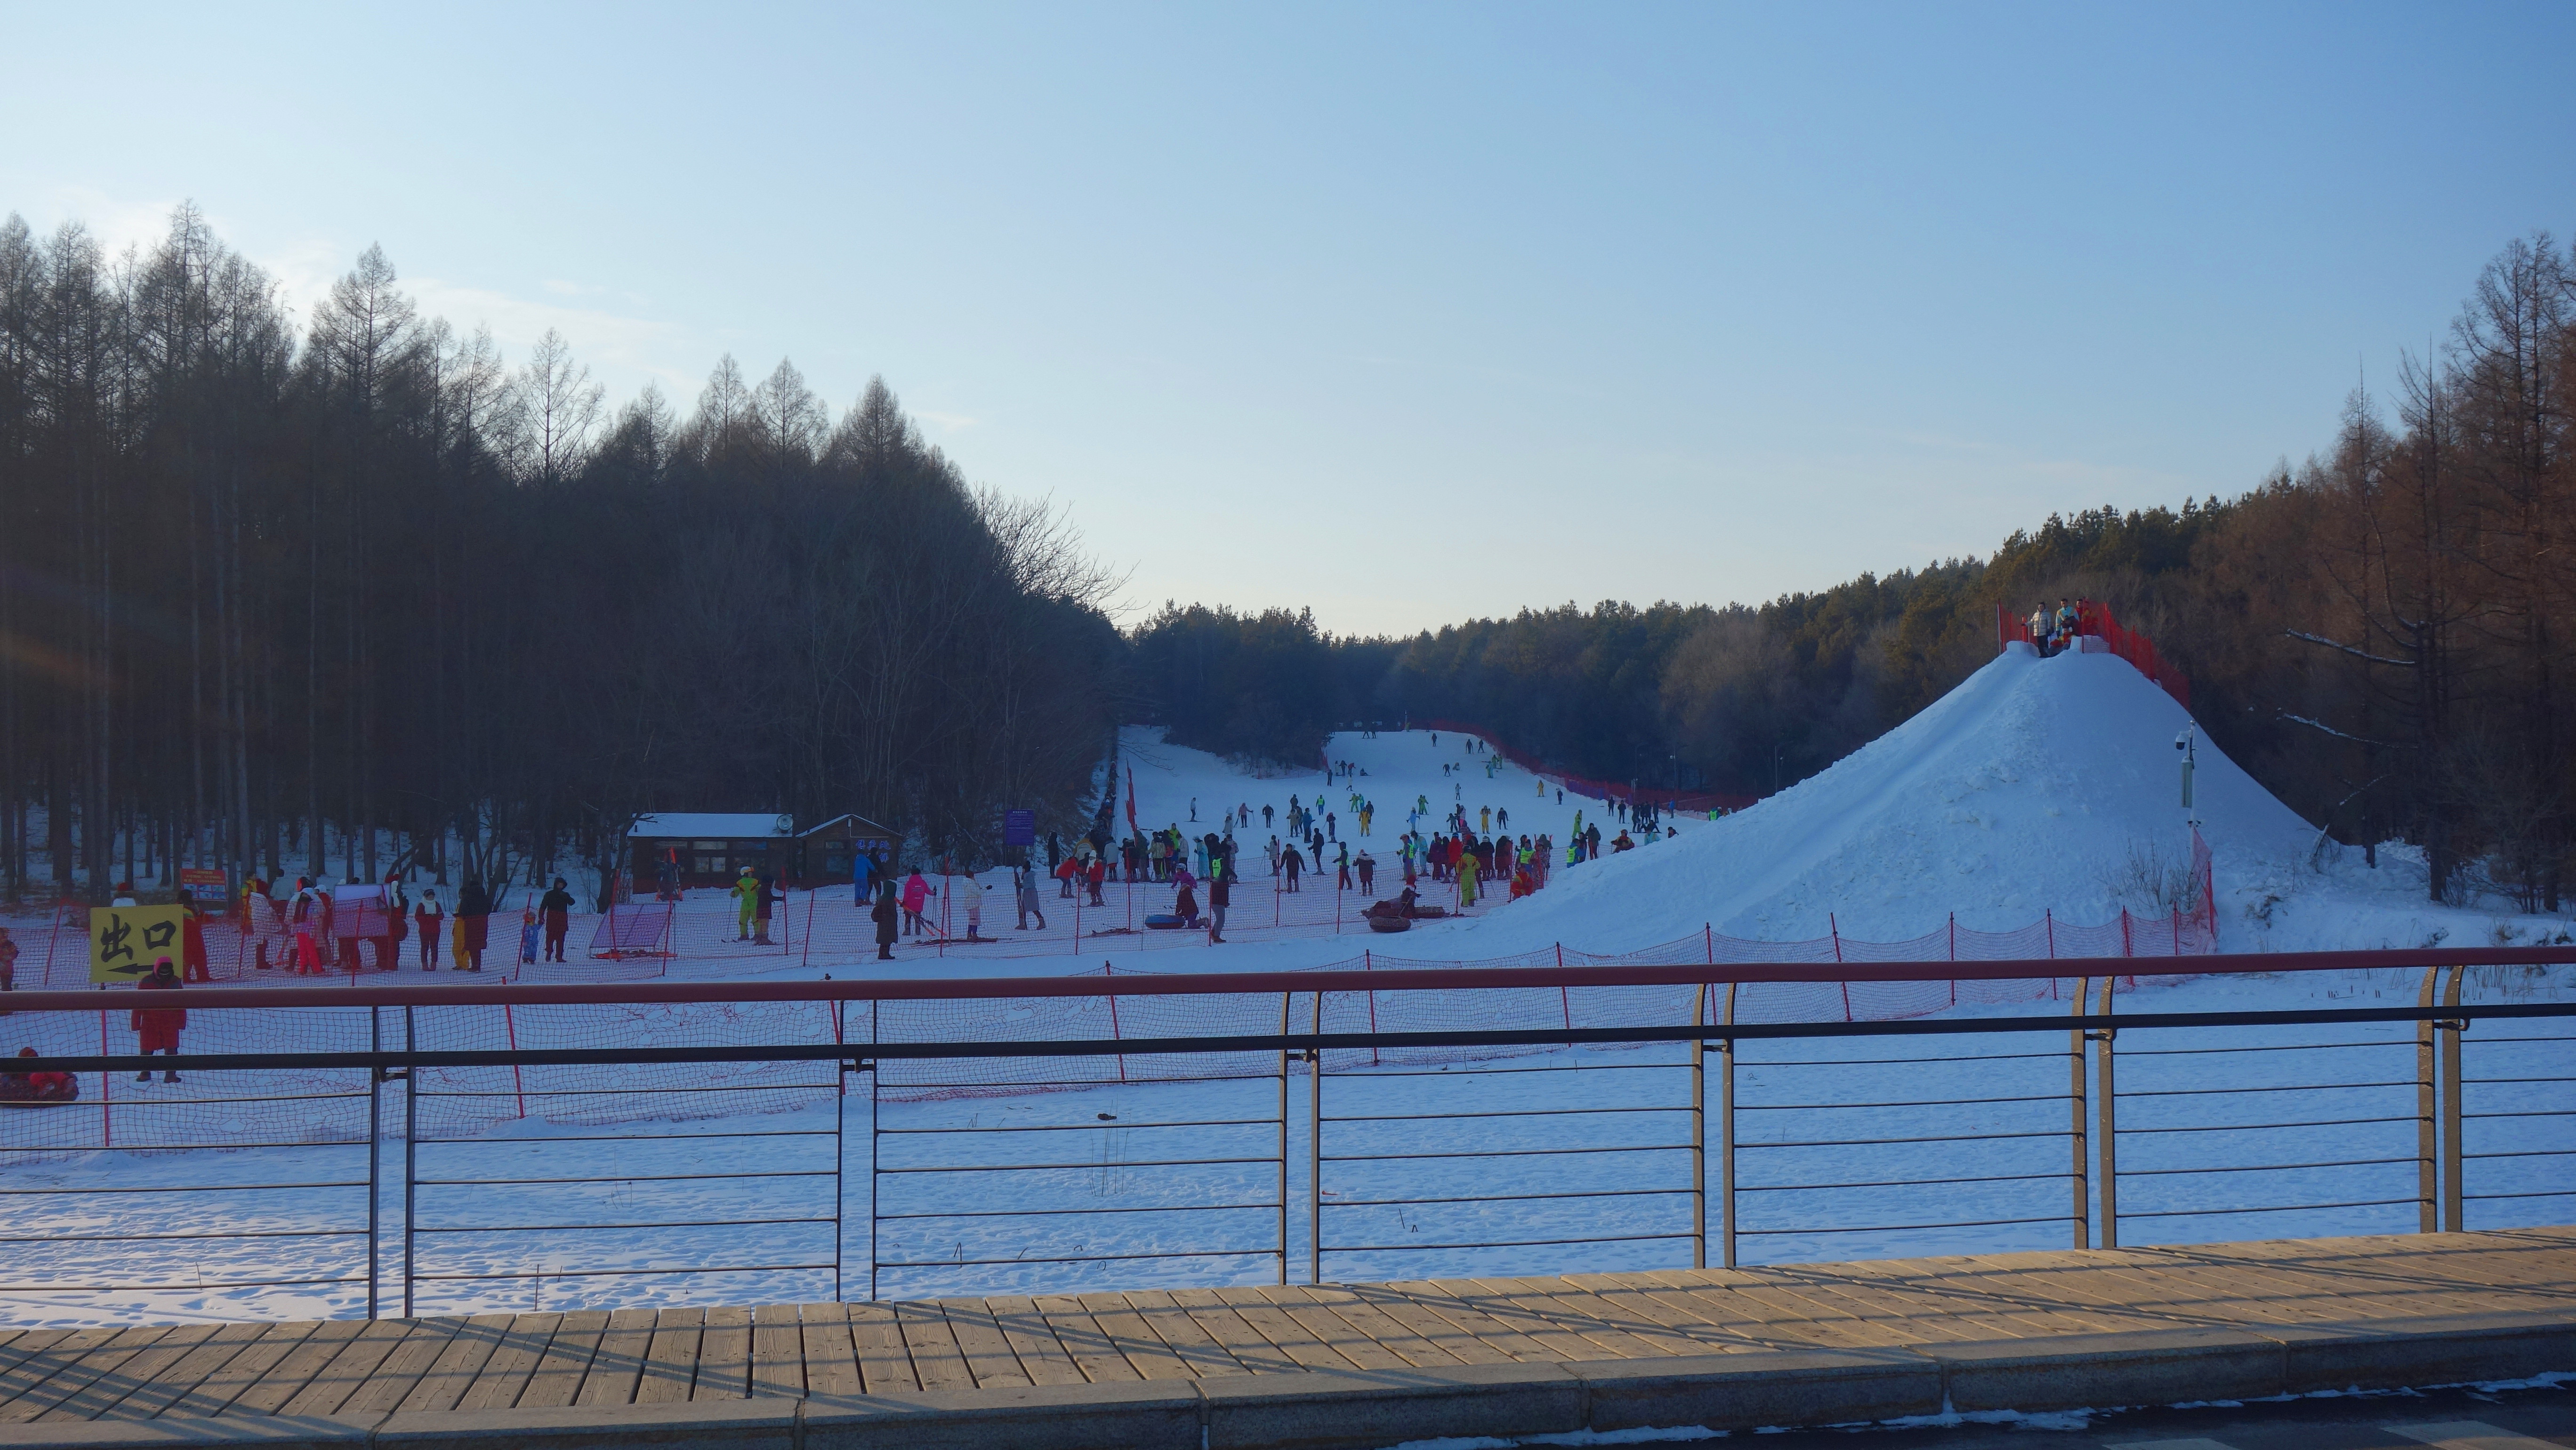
{"x": 1007, "y": 1159}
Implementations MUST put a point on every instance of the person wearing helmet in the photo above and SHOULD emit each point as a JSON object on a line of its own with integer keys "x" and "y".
{"x": 746, "y": 900}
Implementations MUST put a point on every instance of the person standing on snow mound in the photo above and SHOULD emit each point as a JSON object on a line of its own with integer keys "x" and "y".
{"x": 159, "y": 1027}
{"x": 746, "y": 900}
{"x": 884, "y": 913}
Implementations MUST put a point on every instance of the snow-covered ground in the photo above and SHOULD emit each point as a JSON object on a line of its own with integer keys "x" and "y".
{"x": 2036, "y": 787}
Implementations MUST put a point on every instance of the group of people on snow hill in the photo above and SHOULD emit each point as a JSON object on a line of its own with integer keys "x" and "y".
{"x": 1215, "y": 861}
{"x": 2055, "y": 630}
{"x": 1478, "y": 863}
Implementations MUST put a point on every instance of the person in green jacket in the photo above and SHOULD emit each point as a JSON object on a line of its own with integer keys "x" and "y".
{"x": 746, "y": 900}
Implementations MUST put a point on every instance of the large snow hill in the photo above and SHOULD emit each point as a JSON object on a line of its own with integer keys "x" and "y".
{"x": 2036, "y": 785}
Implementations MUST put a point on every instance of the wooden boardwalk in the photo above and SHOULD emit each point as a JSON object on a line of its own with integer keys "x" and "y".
{"x": 365, "y": 1370}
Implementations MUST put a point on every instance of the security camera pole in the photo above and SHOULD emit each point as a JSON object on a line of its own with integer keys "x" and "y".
{"x": 2185, "y": 743}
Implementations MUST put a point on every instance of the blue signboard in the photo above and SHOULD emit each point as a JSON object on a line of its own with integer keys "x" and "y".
{"x": 1019, "y": 828}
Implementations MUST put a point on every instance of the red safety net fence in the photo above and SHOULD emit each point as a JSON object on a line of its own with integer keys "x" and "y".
{"x": 702, "y": 936}
{"x": 1584, "y": 785}
{"x": 289, "y": 1106}
{"x": 2097, "y": 631}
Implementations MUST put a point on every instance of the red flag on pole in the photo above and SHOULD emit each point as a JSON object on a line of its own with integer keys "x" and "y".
{"x": 1131, "y": 798}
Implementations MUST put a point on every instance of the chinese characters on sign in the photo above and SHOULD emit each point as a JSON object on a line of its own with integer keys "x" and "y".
{"x": 124, "y": 941}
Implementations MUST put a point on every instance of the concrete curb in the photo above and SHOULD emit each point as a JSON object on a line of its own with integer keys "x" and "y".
{"x": 1360, "y": 1409}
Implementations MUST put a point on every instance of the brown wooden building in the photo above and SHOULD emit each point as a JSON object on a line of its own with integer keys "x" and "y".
{"x": 710, "y": 848}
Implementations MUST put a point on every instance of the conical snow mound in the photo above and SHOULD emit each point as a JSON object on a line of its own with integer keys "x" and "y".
{"x": 2037, "y": 784}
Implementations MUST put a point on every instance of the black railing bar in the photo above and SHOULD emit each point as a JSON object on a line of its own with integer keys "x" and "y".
{"x": 1077, "y": 1258}
{"x": 621, "y": 1138}
{"x": 1513, "y": 1197}
{"x": 1887, "y": 1142}
{"x": 2287, "y": 1087}
{"x": 2264, "y": 1047}
{"x": 819, "y": 1085}
{"x": 227, "y": 1102}
{"x": 2126, "y": 1212}
{"x": 2502, "y": 1039}
{"x": 1270, "y": 1207}
{"x": 1502, "y": 1243}
{"x": 164, "y": 1238}
{"x": 2267, "y": 1167}
{"x": 188, "y": 1188}
{"x": 2055, "y": 1097}
{"x": 2527, "y": 1153}
{"x": 357, "y": 1278}
{"x": 1375, "y": 1074}
{"x": 1135, "y": 1076}
{"x": 1094, "y": 1165}
{"x": 1093, "y": 1127}
{"x": 618, "y": 1178}
{"x": 1889, "y": 1228}
{"x": 2125, "y": 1129}
{"x": 1742, "y": 1061}
{"x": 1293, "y": 1041}
{"x": 2543, "y": 1193}
{"x": 2518, "y": 1079}
{"x": 1496, "y": 1153}
{"x": 224, "y": 1145}
{"x": 547, "y": 1228}
{"x": 2534, "y": 1113}
{"x": 1523, "y": 1113}
{"x": 2057, "y": 1177}
{"x": 625, "y": 1273}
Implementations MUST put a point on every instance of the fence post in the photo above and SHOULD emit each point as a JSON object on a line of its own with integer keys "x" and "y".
{"x": 375, "y": 1151}
{"x": 518, "y": 1084}
{"x": 411, "y": 1152}
{"x": 1110, "y": 969}
{"x": 2452, "y": 1197}
{"x": 1726, "y": 1131}
{"x": 1286, "y": 1001}
{"x": 1699, "y": 1133}
{"x": 2428, "y": 1143}
{"x": 2109, "y": 1127}
{"x": 1315, "y": 1152}
{"x": 2075, "y": 1102}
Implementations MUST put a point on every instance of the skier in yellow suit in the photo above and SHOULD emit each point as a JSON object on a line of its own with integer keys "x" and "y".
{"x": 746, "y": 899}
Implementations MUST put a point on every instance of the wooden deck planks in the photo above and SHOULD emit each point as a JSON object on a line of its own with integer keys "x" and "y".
{"x": 618, "y": 1365}
{"x": 831, "y": 1361}
{"x": 884, "y": 1361}
{"x": 33, "y": 1393}
{"x": 671, "y": 1359}
{"x": 559, "y": 1374}
{"x": 724, "y": 1356}
{"x": 401, "y": 1370}
{"x": 496, "y": 1386}
{"x": 777, "y": 1352}
{"x": 360, "y": 1368}
{"x": 1042, "y": 1357}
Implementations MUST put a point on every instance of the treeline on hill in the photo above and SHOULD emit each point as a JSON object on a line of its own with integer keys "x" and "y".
{"x": 270, "y": 592}
{"x": 2385, "y": 635}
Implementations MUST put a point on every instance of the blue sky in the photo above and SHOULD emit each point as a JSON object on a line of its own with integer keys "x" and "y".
{"x": 1406, "y": 313}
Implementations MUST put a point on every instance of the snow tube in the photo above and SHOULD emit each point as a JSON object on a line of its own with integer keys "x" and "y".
{"x": 1165, "y": 921}
{"x": 1390, "y": 923}
{"x": 17, "y": 1094}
